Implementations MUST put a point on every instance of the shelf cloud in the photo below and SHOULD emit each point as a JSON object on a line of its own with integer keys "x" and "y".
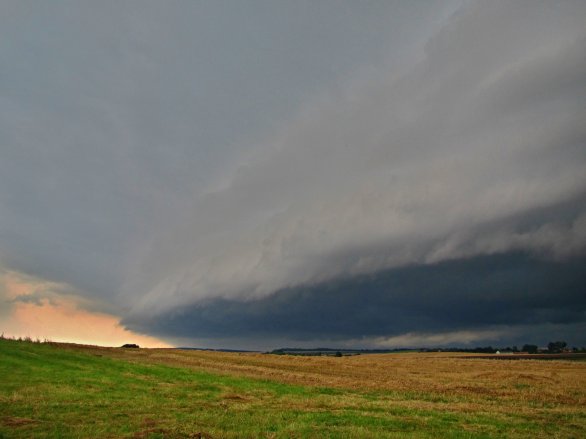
{"x": 371, "y": 185}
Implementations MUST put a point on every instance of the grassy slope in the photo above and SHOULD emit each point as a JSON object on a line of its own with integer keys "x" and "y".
{"x": 48, "y": 391}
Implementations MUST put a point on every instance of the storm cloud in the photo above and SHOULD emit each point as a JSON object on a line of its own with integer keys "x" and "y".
{"x": 479, "y": 293}
{"x": 331, "y": 172}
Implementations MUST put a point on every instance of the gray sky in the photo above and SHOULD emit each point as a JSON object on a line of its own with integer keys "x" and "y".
{"x": 234, "y": 172}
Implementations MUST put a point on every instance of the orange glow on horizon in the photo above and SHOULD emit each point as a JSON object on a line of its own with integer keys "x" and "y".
{"x": 61, "y": 317}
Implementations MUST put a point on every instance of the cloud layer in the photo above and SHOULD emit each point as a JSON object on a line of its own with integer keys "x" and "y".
{"x": 478, "y": 149}
{"x": 481, "y": 298}
{"x": 258, "y": 197}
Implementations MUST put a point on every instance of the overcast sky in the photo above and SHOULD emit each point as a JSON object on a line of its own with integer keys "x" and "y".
{"x": 255, "y": 174}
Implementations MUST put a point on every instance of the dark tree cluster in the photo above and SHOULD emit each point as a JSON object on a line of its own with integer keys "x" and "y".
{"x": 555, "y": 347}
{"x": 530, "y": 348}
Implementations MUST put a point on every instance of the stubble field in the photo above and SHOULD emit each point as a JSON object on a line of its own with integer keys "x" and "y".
{"x": 59, "y": 390}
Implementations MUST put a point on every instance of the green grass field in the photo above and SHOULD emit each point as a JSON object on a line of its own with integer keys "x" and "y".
{"x": 50, "y": 391}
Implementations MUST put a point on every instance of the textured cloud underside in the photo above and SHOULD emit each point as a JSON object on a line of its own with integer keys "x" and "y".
{"x": 478, "y": 149}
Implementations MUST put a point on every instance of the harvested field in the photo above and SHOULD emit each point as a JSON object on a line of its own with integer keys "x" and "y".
{"x": 567, "y": 357}
{"x": 466, "y": 381}
{"x": 174, "y": 393}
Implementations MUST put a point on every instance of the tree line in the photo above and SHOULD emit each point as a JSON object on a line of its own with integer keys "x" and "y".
{"x": 553, "y": 347}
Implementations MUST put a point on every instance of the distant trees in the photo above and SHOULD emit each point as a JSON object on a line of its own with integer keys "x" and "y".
{"x": 484, "y": 350}
{"x": 555, "y": 347}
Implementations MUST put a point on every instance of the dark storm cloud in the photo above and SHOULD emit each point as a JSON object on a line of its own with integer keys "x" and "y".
{"x": 450, "y": 159}
{"x": 114, "y": 119}
{"x": 227, "y": 168}
{"x": 482, "y": 292}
